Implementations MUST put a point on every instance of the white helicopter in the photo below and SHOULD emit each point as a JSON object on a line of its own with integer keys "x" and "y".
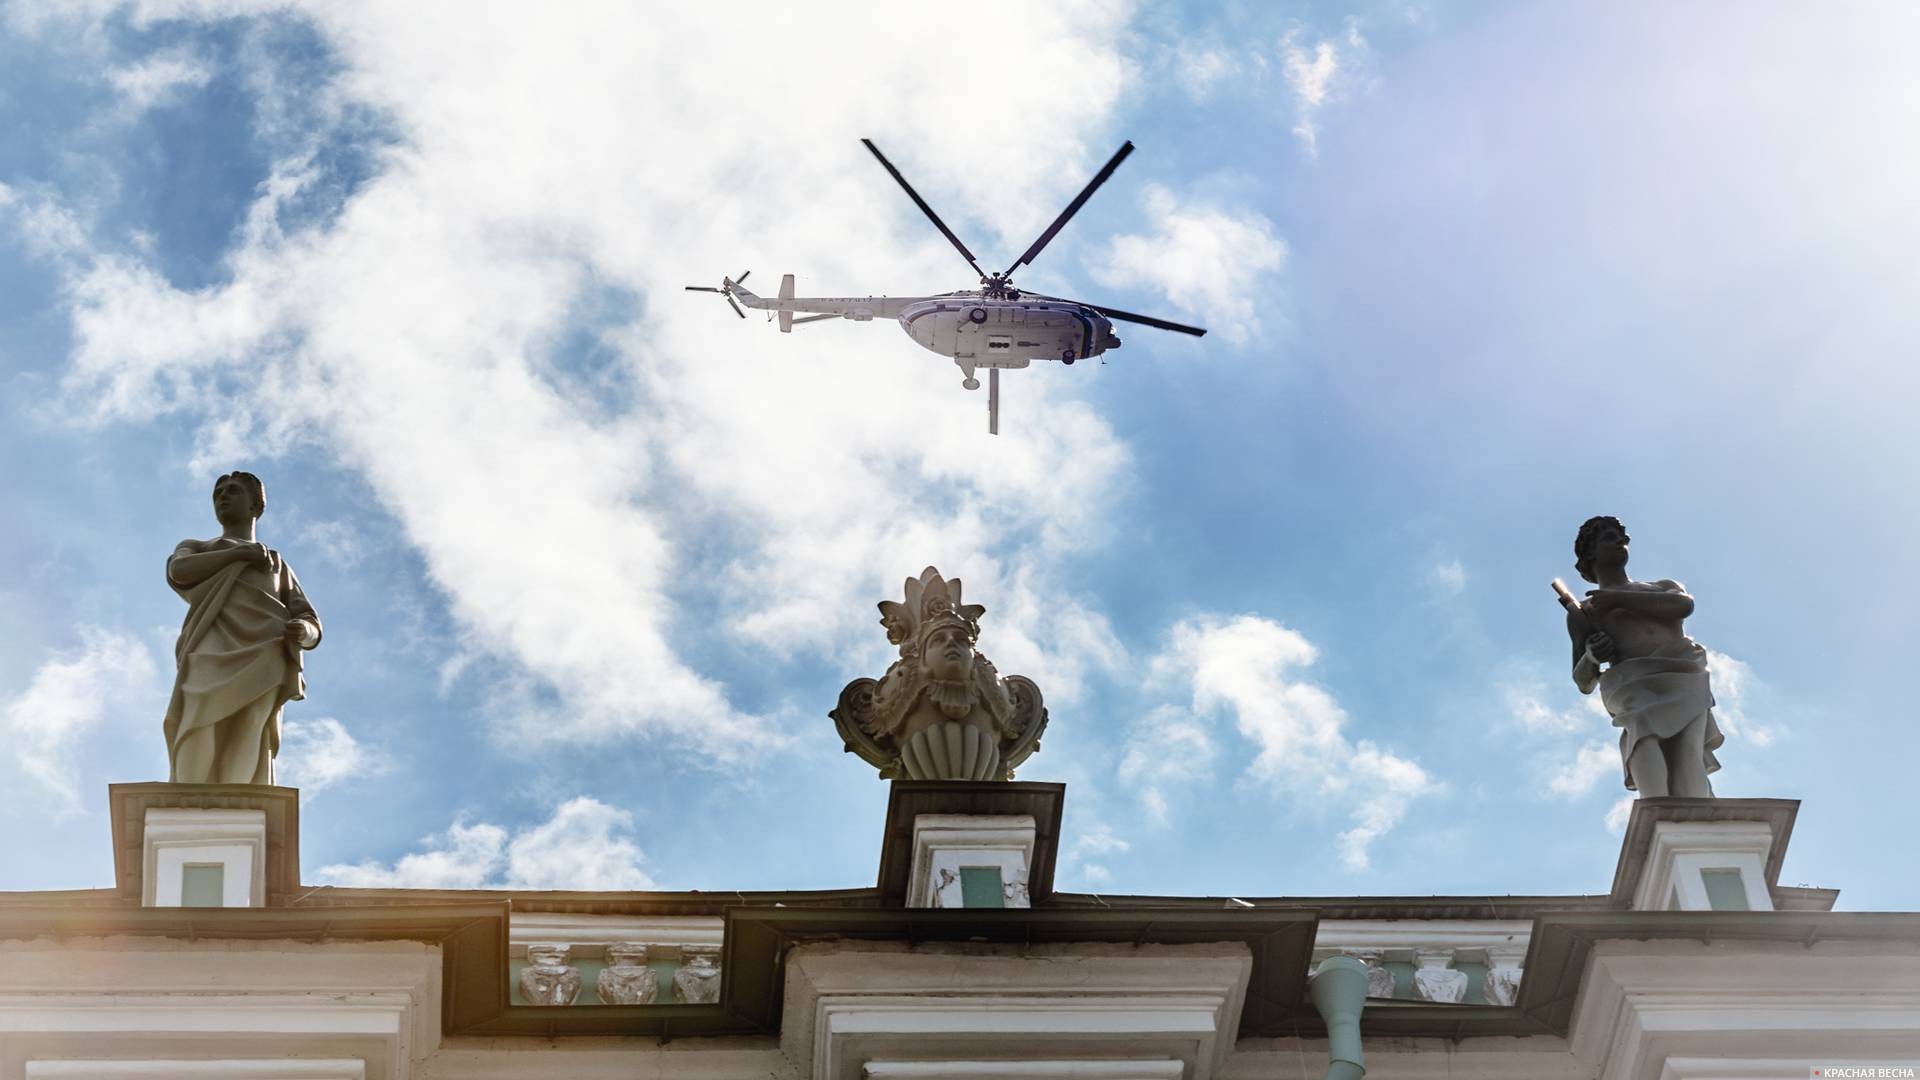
{"x": 993, "y": 327}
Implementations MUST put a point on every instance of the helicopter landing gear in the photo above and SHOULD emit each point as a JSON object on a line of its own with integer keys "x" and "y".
{"x": 970, "y": 383}
{"x": 1068, "y": 358}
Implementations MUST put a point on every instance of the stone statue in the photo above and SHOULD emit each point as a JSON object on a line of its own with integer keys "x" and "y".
{"x": 1436, "y": 979}
{"x": 1655, "y": 681}
{"x": 698, "y": 980}
{"x": 1502, "y": 986}
{"x": 1379, "y": 977}
{"x": 548, "y": 979}
{"x": 941, "y": 712}
{"x": 627, "y": 980}
{"x": 239, "y": 652}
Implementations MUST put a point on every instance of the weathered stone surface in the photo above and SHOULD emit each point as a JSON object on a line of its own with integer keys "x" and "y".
{"x": 1379, "y": 979}
{"x": 1434, "y": 979}
{"x": 627, "y": 980}
{"x": 698, "y": 980}
{"x": 941, "y": 711}
{"x": 548, "y": 979}
{"x": 1503, "y": 975}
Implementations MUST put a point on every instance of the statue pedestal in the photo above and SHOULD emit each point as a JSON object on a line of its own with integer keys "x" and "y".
{"x": 1703, "y": 854}
{"x": 206, "y": 845}
{"x": 970, "y": 843}
{"x": 971, "y": 860}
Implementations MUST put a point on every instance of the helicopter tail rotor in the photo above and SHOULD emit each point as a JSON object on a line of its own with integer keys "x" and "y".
{"x": 726, "y": 289}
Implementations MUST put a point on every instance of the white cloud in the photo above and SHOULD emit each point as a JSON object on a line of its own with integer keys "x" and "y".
{"x": 1448, "y": 579}
{"x": 65, "y": 702}
{"x": 1204, "y": 259}
{"x": 1592, "y": 763}
{"x": 1618, "y": 813}
{"x": 1095, "y": 874}
{"x": 1100, "y": 840}
{"x": 1526, "y": 704}
{"x": 586, "y": 844}
{"x": 319, "y": 753}
{"x": 1734, "y": 683}
{"x": 413, "y": 337}
{"x": 1245, "y": 666}
{"x": 156, "y": 77}
{"x": 1170, "y": 748}
{"x": 46, "y": 228}
{"x": 1200, "y": 69}
{"x": 1315, "y": 72}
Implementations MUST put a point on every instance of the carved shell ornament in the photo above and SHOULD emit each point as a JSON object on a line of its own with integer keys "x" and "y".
{"x": 942, "y": 711}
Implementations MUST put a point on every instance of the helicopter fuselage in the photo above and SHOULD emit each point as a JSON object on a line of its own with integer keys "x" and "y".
{"x": 980, "y": 331}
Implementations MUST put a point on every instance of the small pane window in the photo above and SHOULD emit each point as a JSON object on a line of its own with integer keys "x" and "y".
{"x": 1725, "y": 890}
{"x": 202, "y": 885}
{"x": 980, "y": 887}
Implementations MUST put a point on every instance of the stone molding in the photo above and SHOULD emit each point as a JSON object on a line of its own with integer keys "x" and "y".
{"x": 944, "y": 843}
{"x": 587, "y": 936}
{"x": 161, "y": 1001}
{"x": 1665, "y": 1010}
{"x": 1678, "y": 852}
{"x": 909, "y": 800}
{"x": 129, "y": 804}
{"x": 187, "y": 1069}
{"x": 1396, "y": 940}
{"x": 849, "y": 1004}
{"x": 177, "y": 837}
{"x": 1087, "y": 1069}
{"x": 1777, "y": 814}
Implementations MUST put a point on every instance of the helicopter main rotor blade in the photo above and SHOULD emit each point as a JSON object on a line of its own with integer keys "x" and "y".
{"x": 1146, "y": 320}
{"x": 1074, "y": 206}
{"x": 735, "y": 307}
{"x": 924, "y": 208}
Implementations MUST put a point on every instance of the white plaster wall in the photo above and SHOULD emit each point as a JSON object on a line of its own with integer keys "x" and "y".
{"x": 607, "y": 1058}
{"x": 135, "y": 998}
{"x": 1537, "y": 1057}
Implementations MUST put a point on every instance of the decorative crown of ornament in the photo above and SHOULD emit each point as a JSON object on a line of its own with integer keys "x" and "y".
{"x": 931, "y": 602}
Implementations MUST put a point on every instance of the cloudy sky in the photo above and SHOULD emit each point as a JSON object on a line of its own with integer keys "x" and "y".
{"x": 595, "y": 557}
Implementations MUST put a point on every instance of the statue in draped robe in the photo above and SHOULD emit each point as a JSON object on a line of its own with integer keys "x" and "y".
{"x": 239, "y": 652}
{"x": 1655, "y": 683}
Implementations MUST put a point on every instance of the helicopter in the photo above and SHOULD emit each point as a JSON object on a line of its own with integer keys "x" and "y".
{"x": 994, "y": 327}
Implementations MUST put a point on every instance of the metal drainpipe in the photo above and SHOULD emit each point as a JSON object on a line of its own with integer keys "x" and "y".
{"x": 1339, "y": 990}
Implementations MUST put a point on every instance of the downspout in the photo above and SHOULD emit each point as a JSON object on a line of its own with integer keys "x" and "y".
{"x": 1339, "y": 990}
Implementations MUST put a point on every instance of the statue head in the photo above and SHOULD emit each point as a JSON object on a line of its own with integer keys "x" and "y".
{"x": 238, "y": 497}
{"x": 547, "y": 954}
{"x": 1602, "y": 540}
{"x": 946, "y": 652}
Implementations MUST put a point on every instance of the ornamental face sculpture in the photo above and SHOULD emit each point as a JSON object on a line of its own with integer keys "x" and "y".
{"x": 627, "y": 980}
{"x": 548, "y": 979}
{"x": 697, "y": 982}
{"x": 941, "y": 712}
{"x": 1655, "y": 682}
{"x": 239, "y": 651}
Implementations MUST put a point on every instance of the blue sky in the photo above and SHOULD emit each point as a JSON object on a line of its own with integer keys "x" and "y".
{"x": 595, "y": 557}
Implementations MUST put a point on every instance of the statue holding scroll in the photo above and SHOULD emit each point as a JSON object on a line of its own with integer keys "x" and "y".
{"x": 239, "y": 652}
{"x": 1654, "y": 681}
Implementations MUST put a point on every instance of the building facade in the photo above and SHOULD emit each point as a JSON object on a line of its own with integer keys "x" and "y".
{"x": 210, "y": 959}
